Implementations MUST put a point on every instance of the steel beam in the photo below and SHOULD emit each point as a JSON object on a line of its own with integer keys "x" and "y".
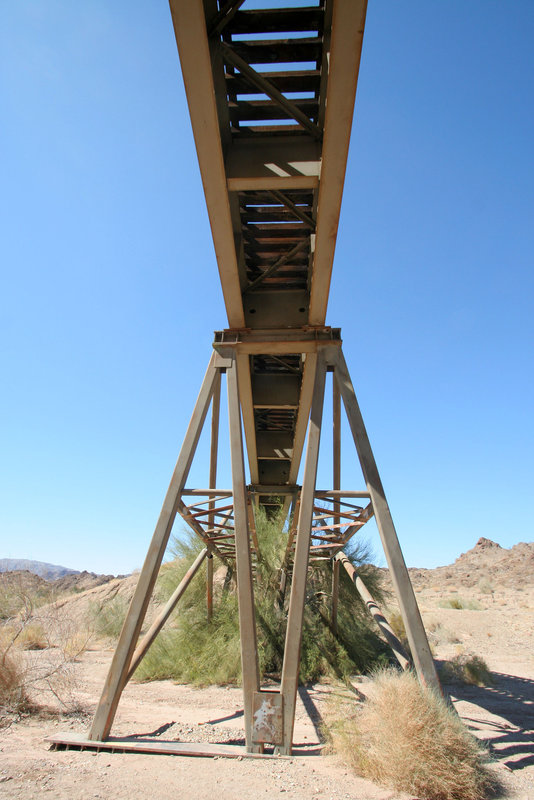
{"x": 193, "y": 46}
{"x": 348, "y": 21}
{"x": 118, "y": 671}
{"x": 402, "y": 585}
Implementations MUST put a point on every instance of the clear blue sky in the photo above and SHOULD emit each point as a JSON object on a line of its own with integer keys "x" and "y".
{"x": 110, "y": 292}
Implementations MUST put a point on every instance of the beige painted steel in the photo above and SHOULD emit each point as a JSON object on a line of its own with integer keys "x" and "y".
{"x": 303, "y": 415}
{"x": 147, "y": 640}
{"x": 268, "y": 717}
{"x": 374, "y": 609}
{"x": 413, "y": 623}
{"x": 263, "y": 84}
{"x": 348, "y": 21}
{"x": 273, "y": 165}
{"x": 118, "y": 672}
{"x": 214, "y": 447}
{"x": 193, "y": 46}
{"x": 336, "y": 471}
{"x": 290, "y": 669}
{"x": 245, "y": 590}
{"x": 335, "y": 595}
{"x": 296, "y": 182}
{"x": 247, "y": 408}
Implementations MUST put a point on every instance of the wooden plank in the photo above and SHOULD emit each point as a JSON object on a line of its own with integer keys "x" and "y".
{"x": 245, "y": 591}
{"x": 402, "y": 585}
{"x": 140, "y": 745}
{"x": 348, "y": 23}
{"x": 118, "y": 672}
{"x": 164, "y": 614}
{"x": 290, "y": 669}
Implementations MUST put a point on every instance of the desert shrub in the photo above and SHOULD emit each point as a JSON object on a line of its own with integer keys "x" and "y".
{"x": 37, "y": 656}
{"x": 459, "y": 603}
{"x": 485, "y": 586}
{"x": 33, "y": 637}
{"x": 193, "y": 650}
{"x": 106, "y": 616}
{"x": 408, "y": 739}
{"x": 13, "y": 697}
{"x": 437, "y": 633}
{"x": 466, "y": 668}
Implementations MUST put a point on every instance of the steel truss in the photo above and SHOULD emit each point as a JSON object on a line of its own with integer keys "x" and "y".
{"x": 324, "y": 522}
{"x": 271, "y": 95}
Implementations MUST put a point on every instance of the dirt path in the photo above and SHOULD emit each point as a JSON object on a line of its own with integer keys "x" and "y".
{"x": 501, "y": 632}
{"x": 29, "y": 769}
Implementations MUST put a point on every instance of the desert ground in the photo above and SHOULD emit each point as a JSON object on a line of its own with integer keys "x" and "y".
{"x": 493, "y": 592}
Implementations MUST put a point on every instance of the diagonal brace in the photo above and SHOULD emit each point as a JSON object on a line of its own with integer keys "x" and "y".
{"x": 265, "y": 86}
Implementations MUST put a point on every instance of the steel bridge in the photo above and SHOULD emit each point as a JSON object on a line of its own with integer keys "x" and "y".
{"x": 271, "y": 95}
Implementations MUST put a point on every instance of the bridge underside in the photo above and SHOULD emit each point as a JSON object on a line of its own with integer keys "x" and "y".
{"x": 271, "y": 97}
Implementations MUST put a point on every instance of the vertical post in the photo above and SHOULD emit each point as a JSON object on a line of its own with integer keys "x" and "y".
{"x": 335, "y": 594}
{"x": 411, "y": 616}
{"x": 215, "y": 413}
{"x": 336, "y": 435}
{"x": 118, "y": 671}
{"x": 245, "y": 591}
{"x": 290, "y": 669}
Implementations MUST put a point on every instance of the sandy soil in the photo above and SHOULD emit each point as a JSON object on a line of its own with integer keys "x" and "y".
{"x": 502, "y": 714}
{"x": 501, "y": 631}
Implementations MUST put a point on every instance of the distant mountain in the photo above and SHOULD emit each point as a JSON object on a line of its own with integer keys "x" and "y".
{"x": 50, "y": 572}
{"x": 488, "y": 561}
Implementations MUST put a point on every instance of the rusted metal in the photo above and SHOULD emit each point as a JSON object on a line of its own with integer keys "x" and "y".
{"x": 272, "y": 144}
{"x": 377, "y": 613}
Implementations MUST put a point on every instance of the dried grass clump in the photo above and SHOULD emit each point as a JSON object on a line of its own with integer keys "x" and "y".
{"x": 459, "y": 603}
{"x": 33, "y": 637}
{"x": 13, "y": 697}
{"x": 407, "y": 738}
{"x": 466, "y": 668}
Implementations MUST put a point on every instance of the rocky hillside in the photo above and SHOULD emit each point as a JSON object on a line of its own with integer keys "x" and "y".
{"x": 22, "y": 588}
{"x": 50, "y": 572}
{"x": 487, "y": 562}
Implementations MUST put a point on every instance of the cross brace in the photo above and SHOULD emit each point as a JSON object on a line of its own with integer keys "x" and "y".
{"x": 325, "y": 520}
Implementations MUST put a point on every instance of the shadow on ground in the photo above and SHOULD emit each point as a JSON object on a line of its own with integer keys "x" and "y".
{"x": 510, "y": 730}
